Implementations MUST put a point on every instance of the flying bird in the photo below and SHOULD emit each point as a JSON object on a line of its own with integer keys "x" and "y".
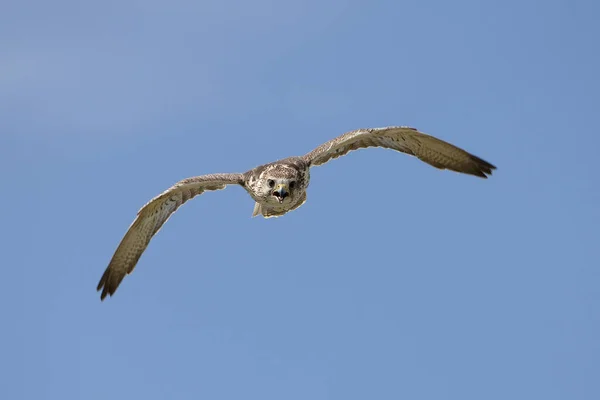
{"x": 280, "y": 187}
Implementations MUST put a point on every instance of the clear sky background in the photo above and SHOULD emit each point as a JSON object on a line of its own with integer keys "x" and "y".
{"x": 426, "y": 285}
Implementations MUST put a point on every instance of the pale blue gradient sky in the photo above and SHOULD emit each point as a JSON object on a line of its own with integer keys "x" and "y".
{"x": 428, "y": 285}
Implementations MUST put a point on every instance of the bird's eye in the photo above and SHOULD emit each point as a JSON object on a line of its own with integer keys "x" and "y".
{"x": 271, "y": 183}
{"x": 292, "y": 184}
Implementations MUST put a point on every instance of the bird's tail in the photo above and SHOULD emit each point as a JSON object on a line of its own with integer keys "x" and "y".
{"x": 257, "y": 209}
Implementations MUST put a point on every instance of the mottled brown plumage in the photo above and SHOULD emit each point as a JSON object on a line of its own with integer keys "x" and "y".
{"x": 427, "y": 148}
{"x": 280, "y": 186}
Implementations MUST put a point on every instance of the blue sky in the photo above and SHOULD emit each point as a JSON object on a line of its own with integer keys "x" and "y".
{"x": 427, "y": 285}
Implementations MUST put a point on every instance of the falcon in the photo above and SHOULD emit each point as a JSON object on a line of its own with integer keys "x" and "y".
{"x": 280, "y": 187}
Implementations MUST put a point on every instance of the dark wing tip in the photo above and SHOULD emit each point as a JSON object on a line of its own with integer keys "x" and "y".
{"x": 109, "y": 283}
{"x": 482, "y": 168}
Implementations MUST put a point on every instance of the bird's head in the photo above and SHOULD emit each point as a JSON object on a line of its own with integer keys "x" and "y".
{"x": 281, "y": 189}
{"x": 281, "y": 185}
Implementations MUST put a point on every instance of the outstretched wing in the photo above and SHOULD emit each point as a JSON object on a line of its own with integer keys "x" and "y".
{"x": 427, "y": 148}
{"x": 149, "y": 220}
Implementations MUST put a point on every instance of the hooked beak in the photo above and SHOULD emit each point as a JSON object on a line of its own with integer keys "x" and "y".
{"x": 281, "y": 192}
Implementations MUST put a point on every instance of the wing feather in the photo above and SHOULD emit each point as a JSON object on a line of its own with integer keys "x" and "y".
{"x": 407, "y": 140}
{"x": 150, "y": 219}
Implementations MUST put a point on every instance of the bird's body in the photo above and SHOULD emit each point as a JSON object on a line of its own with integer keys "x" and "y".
{"x": 280, "y": 187}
